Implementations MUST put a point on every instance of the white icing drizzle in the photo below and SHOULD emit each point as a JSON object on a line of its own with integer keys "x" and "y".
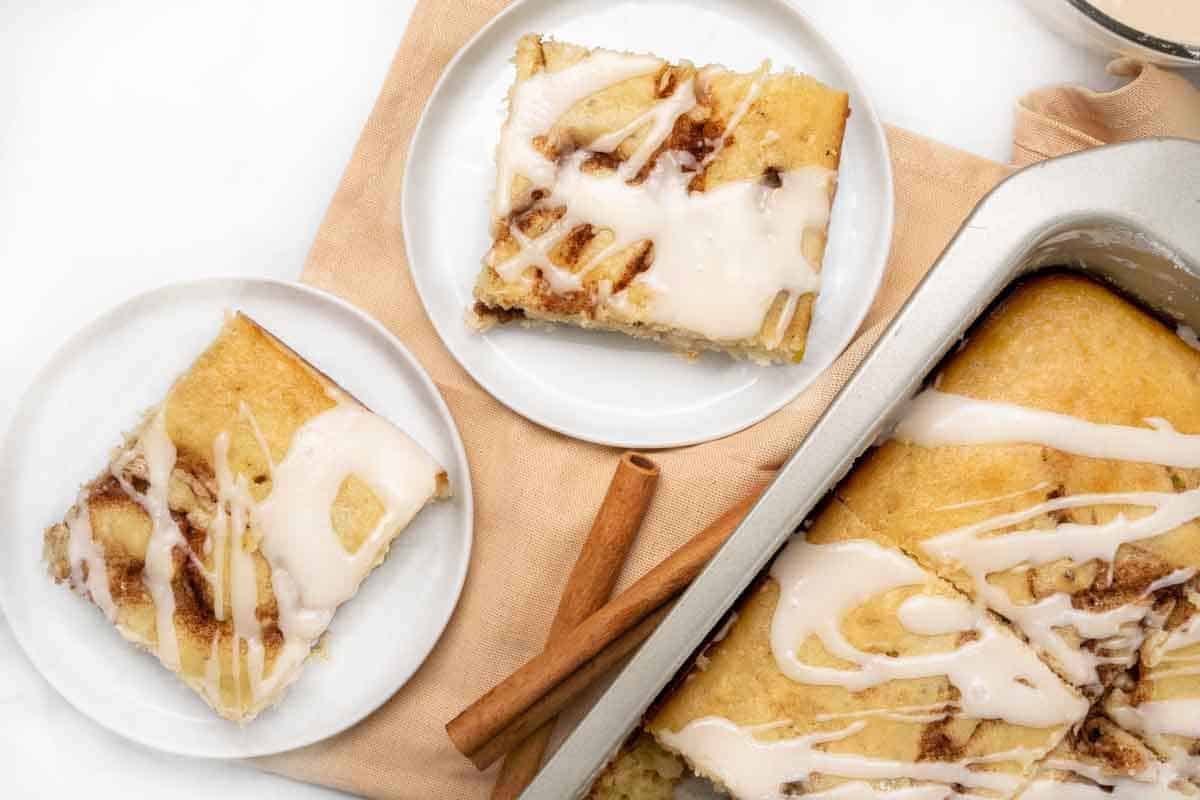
{"x": 1049, "y": 789}
{"x": 859, "y": 790}
{"x": 698, "y": 280}
{"x": 245, "y": 413}
{"x": 923, "y": 714}
{"x": 934, "y": 616}
{"x": 216, "y": 543}
{"x": 936, "y": 419}
{"x": 996, "y": 675}
{"x": 1154, "y": 784}
{"x": 83, "y": 550}
{"x": 539, "y": 101}
{"x": 1174, "y": 717}
{"x": 752, "y": 93}
{"x": 229, "y": 527}
{"x": 297, "y": 531}
{"x": 981, "y": 555}
{"x": 758, "y": 770}
{"x": 1037, "y": 487}
{"x": 661, "y": 116}
{"x": 158, "y": 571}
{"x": 785, "y": 319}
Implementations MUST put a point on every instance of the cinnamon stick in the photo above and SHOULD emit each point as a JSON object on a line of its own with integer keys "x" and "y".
{"x": 488, "y": 716}
{"x": 588, "y": 587}
{"x": 564, "y": 693}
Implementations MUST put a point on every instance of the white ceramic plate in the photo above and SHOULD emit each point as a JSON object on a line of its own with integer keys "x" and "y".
{"x": 606, "y": 387}
{"x": 71, "y": 418}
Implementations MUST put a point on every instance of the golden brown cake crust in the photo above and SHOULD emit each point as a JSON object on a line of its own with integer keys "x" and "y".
{"x": 245, "y": 365}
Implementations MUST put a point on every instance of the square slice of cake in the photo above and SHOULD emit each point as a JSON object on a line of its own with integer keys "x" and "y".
{"x": 851, "y": 671}
{"x": 226, "y": 531}
{"x": 1048, "y": 481}
{"x": 667, "y": 201}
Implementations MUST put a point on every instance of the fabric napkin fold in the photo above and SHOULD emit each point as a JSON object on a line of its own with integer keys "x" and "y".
{"x": 535, "y": 490}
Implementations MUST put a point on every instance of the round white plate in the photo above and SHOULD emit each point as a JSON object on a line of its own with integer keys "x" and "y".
{"x": 94, "y": 388}
{"x": 606, "y": 387}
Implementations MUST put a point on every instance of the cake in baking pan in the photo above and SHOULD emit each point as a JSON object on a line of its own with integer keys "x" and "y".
{"x": 851, "y": 669}
{"x": 667, "y": 201}
{"x": 1040, "y": 497}
{"x": 228, "y": 528}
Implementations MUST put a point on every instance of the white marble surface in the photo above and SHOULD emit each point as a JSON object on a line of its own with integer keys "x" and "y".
{"x": 150, "y": 141}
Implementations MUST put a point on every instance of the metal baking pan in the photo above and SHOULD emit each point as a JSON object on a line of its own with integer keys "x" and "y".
{"x": 1126, "y": 214}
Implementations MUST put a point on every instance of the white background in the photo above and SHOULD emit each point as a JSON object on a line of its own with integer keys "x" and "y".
{"x": 147, "y": 141}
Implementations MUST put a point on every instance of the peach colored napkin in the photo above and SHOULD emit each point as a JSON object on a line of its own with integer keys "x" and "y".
{"x": 535, "y": 490}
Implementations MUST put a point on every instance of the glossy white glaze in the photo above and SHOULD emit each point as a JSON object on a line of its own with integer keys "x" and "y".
{"x": 996, "y": 675}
